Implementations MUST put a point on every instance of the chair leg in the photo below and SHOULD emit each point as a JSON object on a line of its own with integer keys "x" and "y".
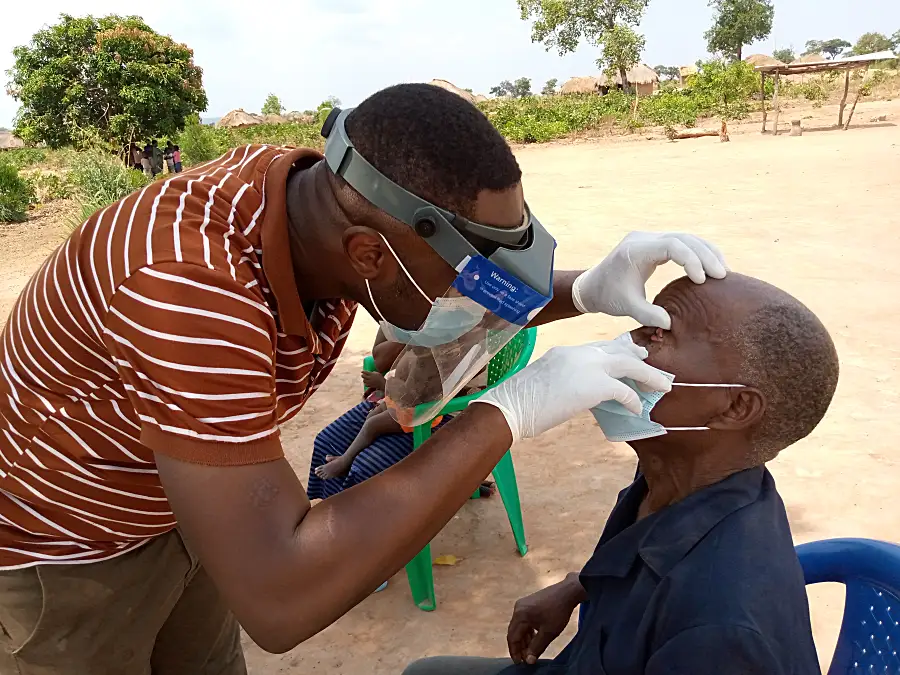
{"x": 421, "y": 580}
{"x": 505, "y": 476}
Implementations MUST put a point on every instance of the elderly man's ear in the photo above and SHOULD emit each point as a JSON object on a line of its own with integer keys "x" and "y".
{"x": 747, "y": 406}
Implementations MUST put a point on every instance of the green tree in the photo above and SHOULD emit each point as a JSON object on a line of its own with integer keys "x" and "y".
{"x": 738, "y": 23}
{"x": 785, "y": 54}
{"x": 668, "y": 72}
{"x": 870, "y": 43}
{"x": 111, "y": 79}
{"x": 326, "y": 106}
{"x": 608, "y": 24}
{"x": 830, "y": 48}
{"x": 725, "y": 88}
{"x": 895, "y": 42}
{"x": 272, "y": 106}
{"x": 549, "y": 87}
{"x": 521, "y": 88}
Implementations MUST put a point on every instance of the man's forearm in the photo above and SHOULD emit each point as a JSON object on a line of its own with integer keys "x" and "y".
{"x": 350, "y": 543}
{"x": 561, "y": 306}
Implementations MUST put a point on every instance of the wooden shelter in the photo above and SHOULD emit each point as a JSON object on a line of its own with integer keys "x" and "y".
{"x": 847, "y": 64}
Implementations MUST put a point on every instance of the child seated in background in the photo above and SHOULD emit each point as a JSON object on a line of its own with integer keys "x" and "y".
{"x": 365, "y": 440}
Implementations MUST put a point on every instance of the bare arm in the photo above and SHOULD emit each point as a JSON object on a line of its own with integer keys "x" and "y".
{"x": 561, "y": 306}
{"x": 288, "y": 570}
{"x": 385, "y": 354}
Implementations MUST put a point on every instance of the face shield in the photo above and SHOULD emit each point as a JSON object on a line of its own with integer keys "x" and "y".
{"x": 504, "y": 278}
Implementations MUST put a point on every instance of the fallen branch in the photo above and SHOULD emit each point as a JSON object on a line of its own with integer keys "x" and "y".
{"x": 676, "y": 135}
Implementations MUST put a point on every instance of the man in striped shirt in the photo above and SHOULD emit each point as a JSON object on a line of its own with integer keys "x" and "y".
{"x": 148, "y": 364}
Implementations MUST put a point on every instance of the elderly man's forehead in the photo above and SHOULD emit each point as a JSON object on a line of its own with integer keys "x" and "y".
{"x": 735, "y": 295}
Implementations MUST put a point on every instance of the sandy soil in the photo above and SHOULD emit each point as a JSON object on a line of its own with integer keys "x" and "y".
{"x": 817, "y": 216}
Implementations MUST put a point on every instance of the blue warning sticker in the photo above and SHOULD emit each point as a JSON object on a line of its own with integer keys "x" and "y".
{"x": 499, "y": 291}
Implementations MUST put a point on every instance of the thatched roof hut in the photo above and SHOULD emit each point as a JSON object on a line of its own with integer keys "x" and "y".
{"x": 449, "y": 86}
{"x": 275, "y": 119}
{"x": 300, "y": 117}
{"x": 762, "y": 60}
{"x": 8, "y": 141}
{"x": 581, "y": 85}
{"x": 480, "y": 98}
{"x": 641, "y": 74}
{"x": 239, "y": 118}
{"x": 810, "y": 58}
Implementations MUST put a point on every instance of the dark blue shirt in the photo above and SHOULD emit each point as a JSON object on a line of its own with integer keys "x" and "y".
{"x": 708, "y": 586}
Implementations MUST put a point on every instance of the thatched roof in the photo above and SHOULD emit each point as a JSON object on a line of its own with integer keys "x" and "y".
{"x": 762, "y": 60}
{"x": 8, "y": 141}
{"x": 480, "y": 98}
{"x": 274, "y": 119}
{"x": 449, "y": 86}
{"x": 810, "y": 58}
{"x": 687, "y": 71}
{"x": 300, "y": 118}
{"x": 239, "y": 118}
{"x": 581, "y": 85}
{"x": 640, "y": 74}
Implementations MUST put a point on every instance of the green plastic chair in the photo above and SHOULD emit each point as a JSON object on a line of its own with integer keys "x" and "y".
{"x": 508, "y": 361}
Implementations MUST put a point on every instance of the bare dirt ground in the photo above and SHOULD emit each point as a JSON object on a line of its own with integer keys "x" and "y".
{"x": 817, "y": 216}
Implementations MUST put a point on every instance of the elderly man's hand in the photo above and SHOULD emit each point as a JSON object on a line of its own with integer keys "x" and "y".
{"x": 540, "y": 618}
{"x": 616, "y": 285}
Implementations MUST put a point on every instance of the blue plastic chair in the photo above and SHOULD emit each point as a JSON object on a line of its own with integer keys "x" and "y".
{"x": 869, "y": 641}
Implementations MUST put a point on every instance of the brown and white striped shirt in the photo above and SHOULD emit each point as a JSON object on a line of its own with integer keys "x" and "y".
{"x": 168, "y": 322}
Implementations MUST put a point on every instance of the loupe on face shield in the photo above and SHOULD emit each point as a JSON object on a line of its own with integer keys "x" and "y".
{"x": 504, "y": 276}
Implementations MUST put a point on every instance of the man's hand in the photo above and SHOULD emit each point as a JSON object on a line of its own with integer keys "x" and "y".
{"x": 569, "y": 380}
{"x": 616, "y": 285}
{"x": 540, "y": 618}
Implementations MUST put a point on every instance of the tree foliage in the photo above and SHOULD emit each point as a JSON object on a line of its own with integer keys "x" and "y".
{"x": 608, "y": 24}
{"x": 725, "y": 89}
{"x": 521, "y": 88}
{"x": 549, "y": 87}
{"x": 785, "y": 54}
{"x": 895, "y": 42}
{"x": 870, "y": 43}
{"x": 668, "y": 72}
{"x": 738, "y": 23}
{"x": 830, "y": 48}
{"x": 272, "y": 106}
{"x": 111, "y": 79}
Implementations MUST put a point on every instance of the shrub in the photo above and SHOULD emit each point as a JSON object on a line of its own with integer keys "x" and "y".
{"x": 814, "y": 90}
{"x": 198, "y": 143}
{"x": 99, "y": 180}
{"x": 49, "y": 186}
{"x": 22, "y": 158}
{"x": 725, "y": 89}
{"x": 16, "y": 194}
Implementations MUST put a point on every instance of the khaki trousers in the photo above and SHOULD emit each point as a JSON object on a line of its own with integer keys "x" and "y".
{"x": 153, "y": 610}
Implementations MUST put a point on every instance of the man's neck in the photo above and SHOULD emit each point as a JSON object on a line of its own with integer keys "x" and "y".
{"x": 314, "y": 222}
{"x": 676, "y": 470}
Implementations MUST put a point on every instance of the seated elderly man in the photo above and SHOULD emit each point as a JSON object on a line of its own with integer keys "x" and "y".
{"x": 695, "y": 572}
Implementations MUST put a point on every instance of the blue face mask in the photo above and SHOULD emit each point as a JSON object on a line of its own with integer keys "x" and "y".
{"x": 620, "y": 424}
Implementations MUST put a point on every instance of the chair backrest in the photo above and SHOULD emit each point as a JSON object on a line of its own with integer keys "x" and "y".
{"x": 513, "y": 357}
{"x": 869, "y": 641}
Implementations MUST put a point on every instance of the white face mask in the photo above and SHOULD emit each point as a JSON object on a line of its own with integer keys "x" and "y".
{"x": 446, "y": 321}
{"x": 620, "y": 424}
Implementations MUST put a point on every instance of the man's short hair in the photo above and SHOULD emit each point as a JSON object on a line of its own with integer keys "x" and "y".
{"x": 433, "y": 143}
{"x": 789, "y": 355}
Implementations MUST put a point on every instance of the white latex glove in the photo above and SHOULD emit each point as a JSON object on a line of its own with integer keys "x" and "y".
{"x": 569, "y": 380}
{"x": 616, "y": 285}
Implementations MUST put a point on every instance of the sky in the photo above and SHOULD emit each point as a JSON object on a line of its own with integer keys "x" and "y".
{"x": 307, "y": 50}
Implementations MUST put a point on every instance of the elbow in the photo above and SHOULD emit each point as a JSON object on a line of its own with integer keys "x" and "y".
{"x": 277, "y": 637}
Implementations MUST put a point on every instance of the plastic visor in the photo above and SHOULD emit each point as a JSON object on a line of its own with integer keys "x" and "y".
{"x": 423, "y": 379}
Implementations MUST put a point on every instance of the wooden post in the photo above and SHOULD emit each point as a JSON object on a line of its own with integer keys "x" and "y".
{"x": 776, "y": 103}
{"x": 762, "y": 91}
{"x": 844, "y": 100}
{"x": 856, "y": 100}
